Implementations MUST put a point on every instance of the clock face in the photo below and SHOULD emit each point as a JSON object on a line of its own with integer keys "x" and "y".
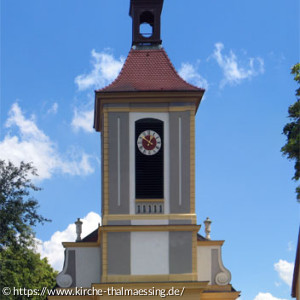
{"x": 149, "y": 142}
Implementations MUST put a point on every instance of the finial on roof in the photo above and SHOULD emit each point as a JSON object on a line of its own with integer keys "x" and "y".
{"x": 207, "y": 224}
{"x": 78, "y": 224}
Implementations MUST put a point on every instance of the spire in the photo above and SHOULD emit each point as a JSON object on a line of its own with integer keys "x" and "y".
{"x": 145, "y": 16}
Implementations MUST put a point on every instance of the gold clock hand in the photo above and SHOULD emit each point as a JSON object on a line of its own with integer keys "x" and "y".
{"x": 146, "y": 140}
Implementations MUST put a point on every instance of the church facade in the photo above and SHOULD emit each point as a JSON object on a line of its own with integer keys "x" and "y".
{"x": 148, "y": 240}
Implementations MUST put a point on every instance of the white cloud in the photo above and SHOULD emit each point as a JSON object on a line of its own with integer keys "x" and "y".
{"x": 83, "y": 120}
{"x": 233, "y": 72}
{"x": 105, "y": 69}
{"x": 291, "y": 246}
{"x": 53, "y": 109}
{"x": 31, "y": 144}
{"x": 285, "y": 271}
{"x": 53, "y": 248}
{"x": 278, "y": 283}
{"x": 190, "y": 74}
{"x": 266, "y": 296}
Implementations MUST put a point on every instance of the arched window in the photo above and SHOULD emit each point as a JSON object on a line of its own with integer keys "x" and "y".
{"x": 149, "y": 159}
{"x": 146, "y": 24}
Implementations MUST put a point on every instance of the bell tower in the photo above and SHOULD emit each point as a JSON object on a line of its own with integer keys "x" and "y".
{"x": 148, "y": 240}
{"x": 145, "y": 21}
{"x": 147, "y": 122}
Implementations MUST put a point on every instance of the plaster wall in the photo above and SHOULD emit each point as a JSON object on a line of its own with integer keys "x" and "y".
{"x": 88, "y": 266}
{"x": 180, "y": 252}
{"x": 204, "y": 263}
{"x": 149, "y": 253}
{"x": 118, "y": 253}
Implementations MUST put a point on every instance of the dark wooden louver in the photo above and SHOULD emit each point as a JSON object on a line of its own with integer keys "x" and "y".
{"x": 149, "y": 169}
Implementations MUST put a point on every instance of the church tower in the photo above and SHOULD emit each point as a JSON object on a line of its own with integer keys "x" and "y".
{"x": 149, "y": 237}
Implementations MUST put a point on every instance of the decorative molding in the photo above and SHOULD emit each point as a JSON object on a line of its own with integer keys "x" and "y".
{"x": 149, "y": 200}
{"x": 133, "y": 117}
{"x": 192, "y": 158}
{"x": 64, "y": 280}
{"x": 210, "y": 243}
{"x": 223, "y": 278}
{"x": 149, "y": 278}
{"x": 179, "y": 161}
{"x": 191, "y": 217}
{"x": 104, "y": 253}
{"x": 194, "y": 254}
{"x": 214, "y": 287}
{"x": 119, "y": 163}
{"x": 153, "y": 96}
{"x": 105, "y": 165}
{"x": 80, "y": 245}
{"x": 220, "y": 295}
{"x": 124, "y": 98}
{"x": 150, "y": 109}
{"x": 133, "y": 228}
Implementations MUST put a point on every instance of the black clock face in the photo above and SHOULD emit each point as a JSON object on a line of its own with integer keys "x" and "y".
{"x": 149, "y": 159}
{"x": 149, "y": 142}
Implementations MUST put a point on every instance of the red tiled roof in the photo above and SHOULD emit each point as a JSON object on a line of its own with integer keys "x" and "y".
{"x": 148, "y": 70}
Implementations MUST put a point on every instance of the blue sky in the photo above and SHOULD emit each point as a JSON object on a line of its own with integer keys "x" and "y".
{"x": 54, "y": 54}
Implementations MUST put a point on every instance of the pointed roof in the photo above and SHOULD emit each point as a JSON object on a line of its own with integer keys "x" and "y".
{"x": 148, "y": 70}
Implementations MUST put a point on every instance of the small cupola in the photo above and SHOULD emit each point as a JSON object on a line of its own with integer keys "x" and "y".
{"x": 145, "y": 16}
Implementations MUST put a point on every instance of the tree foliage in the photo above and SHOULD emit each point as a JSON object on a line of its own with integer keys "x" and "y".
{"x": 292, "y": 131}
{"x": 20, "y": 266}
{"x": 18, "y": 208}
{"x": 23, "y": 268}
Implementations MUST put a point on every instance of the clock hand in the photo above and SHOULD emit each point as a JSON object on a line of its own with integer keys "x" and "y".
{"x": 149, "y": 142}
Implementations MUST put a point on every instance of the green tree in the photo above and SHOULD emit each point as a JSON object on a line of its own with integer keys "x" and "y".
{"x": 292, "y": 131}
{"x": 18, "y": 208}
{"x": 20, "y": 266}
{"x": 23, "y": 268}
